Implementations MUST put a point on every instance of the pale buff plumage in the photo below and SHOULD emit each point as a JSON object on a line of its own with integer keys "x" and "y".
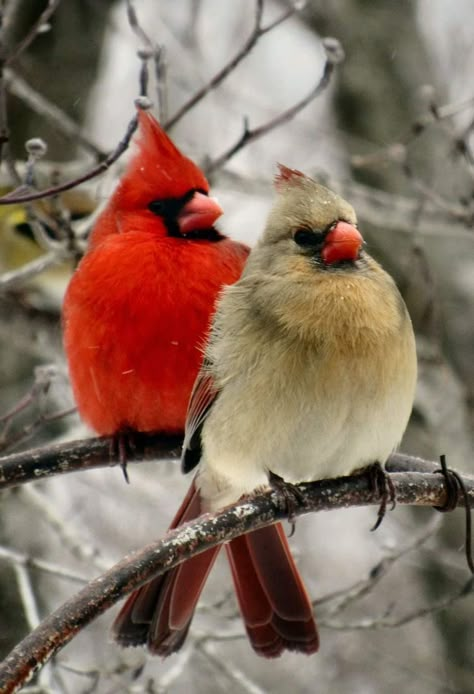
{"x": 316, "y": 366}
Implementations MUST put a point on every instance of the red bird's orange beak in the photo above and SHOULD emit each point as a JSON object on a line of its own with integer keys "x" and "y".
{"x": 199, "y": 213}
{"x": 342, "y": 243}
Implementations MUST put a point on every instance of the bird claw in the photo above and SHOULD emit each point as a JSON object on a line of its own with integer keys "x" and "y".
{"x": 291, "y": 496}
{"x": 381, "y": 483}
{"x": 121, "y": 445}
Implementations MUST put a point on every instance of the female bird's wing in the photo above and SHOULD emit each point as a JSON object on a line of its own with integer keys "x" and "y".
{"x": 202, "y": 398}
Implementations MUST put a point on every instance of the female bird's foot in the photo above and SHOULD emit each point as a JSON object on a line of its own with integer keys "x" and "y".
{"x": 291, "y": 496}
{"x": 381, "y": 483}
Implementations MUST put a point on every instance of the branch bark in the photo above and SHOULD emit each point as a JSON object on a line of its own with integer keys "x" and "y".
{"x": 421, "y": 489}
{"x": 89, "y": 454}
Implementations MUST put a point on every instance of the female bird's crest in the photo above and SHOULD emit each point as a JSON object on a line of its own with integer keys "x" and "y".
{"x": 157, "y": 168}
{"x": 287, "y": 176}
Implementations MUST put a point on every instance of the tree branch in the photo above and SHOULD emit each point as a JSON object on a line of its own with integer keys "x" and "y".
{"x": 334, "y": 55}
{"x": 98, "y": 452}
{"x": 24, "y": 194}
{"x": 87, "y": 454}
{"x": 257, "y": 32}
{"x": 191, "y": 539}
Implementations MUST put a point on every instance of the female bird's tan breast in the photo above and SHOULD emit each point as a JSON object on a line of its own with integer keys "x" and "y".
{"x": 323, "y": 386}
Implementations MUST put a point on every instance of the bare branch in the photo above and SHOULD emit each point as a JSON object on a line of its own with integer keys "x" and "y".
{"x": 340, "y": 600}
{"x": 257, "y": 32}
{"x": 88, "y": 454}
{"x": 15, "y": 278}
{"x": 21, "y": 559}
{"x": 24, "y": 194}
{"x": 158, "y": 53}
{"x": 385, "y": 622}
{"x": 98, "y": 452}
{"x": 250, "y": 135}
{"x": 191, "y": 539}
{"x": 38, "y": 103}
{"x": 35, "y": 30}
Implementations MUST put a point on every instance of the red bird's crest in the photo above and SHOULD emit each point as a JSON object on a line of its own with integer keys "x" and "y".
{"x": 157, "y": 168}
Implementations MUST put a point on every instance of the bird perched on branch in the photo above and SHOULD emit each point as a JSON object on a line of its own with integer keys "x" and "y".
{"x": 309, "y": 373}
{"x": 138, "y": 307}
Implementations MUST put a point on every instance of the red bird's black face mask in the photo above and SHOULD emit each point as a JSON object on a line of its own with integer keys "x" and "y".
{"x": 190, "y": 216}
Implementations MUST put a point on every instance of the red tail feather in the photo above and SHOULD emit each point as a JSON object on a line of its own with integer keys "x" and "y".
{"x": 274, "y": 604}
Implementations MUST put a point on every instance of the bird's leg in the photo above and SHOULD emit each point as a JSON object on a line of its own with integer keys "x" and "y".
{"x": 291, "y": 496}
{"x": 454, "y": 489}
{"x": 123, "y": 443}
{"x": 381, "y": 484}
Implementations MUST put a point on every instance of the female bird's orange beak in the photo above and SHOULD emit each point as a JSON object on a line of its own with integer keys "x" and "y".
{"x": 342, "y": 243}
{"x": 199, "y": 213}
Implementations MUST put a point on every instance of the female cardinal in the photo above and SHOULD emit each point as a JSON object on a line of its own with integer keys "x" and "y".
{"x": 309, "y": 373}
{"x": 138, "y": 307}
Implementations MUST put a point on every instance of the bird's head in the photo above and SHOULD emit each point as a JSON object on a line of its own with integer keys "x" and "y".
{"x": 162, "y": 185}
{"x": 308, "y": 271}
{"x": 311, "y": 224}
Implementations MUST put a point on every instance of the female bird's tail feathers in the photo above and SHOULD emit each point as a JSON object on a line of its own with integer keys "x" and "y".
{"x": 274, "y": 604}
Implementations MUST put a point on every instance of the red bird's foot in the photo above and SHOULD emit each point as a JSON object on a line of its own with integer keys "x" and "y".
{"x": 382, "y": 485}
{"x": 121, "y": 445}
{"x": 291, "y": 496}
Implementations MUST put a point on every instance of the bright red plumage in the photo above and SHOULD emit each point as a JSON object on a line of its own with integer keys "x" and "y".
{"x": 138, "y": 307}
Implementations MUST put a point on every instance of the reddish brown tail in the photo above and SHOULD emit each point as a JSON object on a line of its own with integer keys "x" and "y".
{"x": 274, "y": 603}
{"x": 273, "y": 600}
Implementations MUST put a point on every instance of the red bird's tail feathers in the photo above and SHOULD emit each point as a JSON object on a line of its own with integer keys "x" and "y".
{"x": 275, "y": 606}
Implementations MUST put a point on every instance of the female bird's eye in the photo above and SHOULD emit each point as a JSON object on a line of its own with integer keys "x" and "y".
{"x": 307, "y": 238}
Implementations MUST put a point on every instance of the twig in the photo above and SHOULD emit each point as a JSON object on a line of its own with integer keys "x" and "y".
{"x": 384, "y": 622}
{"x": 250, "y": 135}
{"x": 158, "y": 53}
{"x": 69, "y": 537}
{"x": 38, "y": 103}
{"x": 45, "y": 376}
{"x": 20, "y": 559}
{"x": 341, "y": 599}
{"x": 236, "y": 676}
{"x": 15, "y": 278}
{"x": 257, "y": 32}
{"x": 34, "y": 31}
{"x": 189, "y": 540}
{"x": 21, "y": 195}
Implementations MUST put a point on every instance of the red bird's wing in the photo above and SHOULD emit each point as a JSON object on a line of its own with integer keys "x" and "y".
{"x": 202, "y": 398}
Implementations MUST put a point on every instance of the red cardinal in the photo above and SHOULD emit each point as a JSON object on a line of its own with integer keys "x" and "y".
{"x": 138, "y": 307}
